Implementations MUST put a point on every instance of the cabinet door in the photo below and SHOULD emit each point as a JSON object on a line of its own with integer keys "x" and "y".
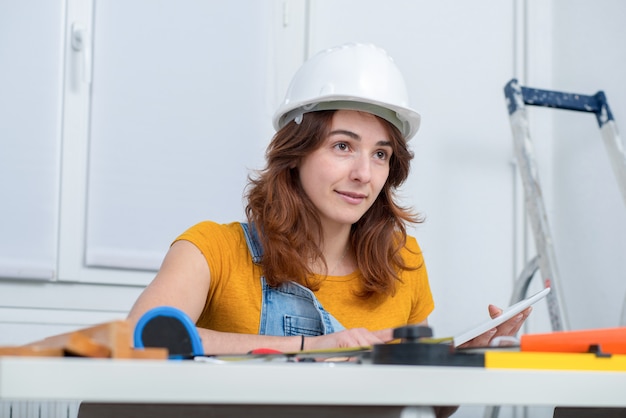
{"x": 181, "y": 100}
{"x": 31, "y": 79}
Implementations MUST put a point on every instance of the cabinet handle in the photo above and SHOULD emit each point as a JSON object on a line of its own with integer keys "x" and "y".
{"x": 81, "y": 43}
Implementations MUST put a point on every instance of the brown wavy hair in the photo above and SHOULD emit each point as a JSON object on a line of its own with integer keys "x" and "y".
{"x": 288, "y": 224}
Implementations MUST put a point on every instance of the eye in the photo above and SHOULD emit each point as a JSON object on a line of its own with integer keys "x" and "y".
{"x": 342, "y": 146}
{"x": 381, "y": 155}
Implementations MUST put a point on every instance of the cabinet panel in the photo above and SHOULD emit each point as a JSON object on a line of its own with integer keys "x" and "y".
{"x": 180, "y": 112}
{"x": 31, "y": 52}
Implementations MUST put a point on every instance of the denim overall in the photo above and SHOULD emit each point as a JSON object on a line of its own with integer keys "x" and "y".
{"x": 289, "y": 309}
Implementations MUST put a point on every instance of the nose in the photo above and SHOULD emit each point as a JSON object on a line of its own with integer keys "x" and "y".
{"x": 361, "y": 169}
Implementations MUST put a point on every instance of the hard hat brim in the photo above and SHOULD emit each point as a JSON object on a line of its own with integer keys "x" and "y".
{"x": 405, "y": 119}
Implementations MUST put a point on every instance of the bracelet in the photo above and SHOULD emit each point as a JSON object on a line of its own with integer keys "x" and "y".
{"x": 302, "y": 343}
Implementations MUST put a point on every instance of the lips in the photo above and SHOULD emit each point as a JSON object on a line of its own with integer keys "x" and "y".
{"x": 353, "y": 198}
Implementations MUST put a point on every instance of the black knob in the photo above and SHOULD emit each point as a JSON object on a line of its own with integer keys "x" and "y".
{"x": 412, "y": 333}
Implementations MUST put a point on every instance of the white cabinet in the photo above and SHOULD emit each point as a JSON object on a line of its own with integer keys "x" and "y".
{"x": 122, "y": 123}
{"x": 127, "y": 122}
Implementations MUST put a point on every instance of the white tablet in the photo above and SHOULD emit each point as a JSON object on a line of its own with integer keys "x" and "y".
{"x": 507, "y": 314}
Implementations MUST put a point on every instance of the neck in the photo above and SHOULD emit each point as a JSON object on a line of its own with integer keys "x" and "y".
{"x": 337, "y": 253}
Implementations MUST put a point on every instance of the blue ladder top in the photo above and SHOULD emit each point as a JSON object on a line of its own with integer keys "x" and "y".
{"x": 517, "y": 96}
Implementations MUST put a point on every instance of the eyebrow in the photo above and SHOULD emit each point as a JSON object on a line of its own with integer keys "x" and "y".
{"x": 357, "y": 137}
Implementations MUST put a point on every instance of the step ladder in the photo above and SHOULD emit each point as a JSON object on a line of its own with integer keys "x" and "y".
{"x": 517, "y": 97}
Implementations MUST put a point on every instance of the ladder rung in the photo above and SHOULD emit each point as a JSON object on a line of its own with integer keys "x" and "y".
{"x": 548, "y": 98}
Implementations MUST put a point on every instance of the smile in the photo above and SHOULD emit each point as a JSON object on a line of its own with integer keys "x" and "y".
{"x": 353, "y": 198}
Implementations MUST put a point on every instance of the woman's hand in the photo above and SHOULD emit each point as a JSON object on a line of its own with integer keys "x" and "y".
{"x": 506, "y": 329}
{"x": 354, "y": 337}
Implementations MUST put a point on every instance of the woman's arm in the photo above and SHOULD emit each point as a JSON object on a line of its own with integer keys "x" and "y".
{"x": 226, "y": 343}
{"x": 183, "y": 282}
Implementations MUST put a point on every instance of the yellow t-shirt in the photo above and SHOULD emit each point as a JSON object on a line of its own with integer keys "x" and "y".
{"x": 234, "y": 300}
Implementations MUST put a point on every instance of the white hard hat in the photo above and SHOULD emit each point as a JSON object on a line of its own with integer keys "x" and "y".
{"x": 352, "y": 76}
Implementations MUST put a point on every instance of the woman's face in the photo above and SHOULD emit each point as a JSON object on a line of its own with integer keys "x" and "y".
{"x": 344, "y": 176}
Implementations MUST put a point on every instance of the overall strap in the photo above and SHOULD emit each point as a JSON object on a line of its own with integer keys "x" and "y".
{"x": 252, "y": 239}
{"x": 289, "y": 308}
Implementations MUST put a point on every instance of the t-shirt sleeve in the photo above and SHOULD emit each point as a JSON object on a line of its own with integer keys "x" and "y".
{"x": 219, "y": 244}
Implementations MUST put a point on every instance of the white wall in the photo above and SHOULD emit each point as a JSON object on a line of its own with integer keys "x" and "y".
{"x": 588, "y": 209}
{"x": 462, "y": 175}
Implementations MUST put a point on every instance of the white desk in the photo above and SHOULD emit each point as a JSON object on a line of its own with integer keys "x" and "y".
{"x": 147, "y": 381}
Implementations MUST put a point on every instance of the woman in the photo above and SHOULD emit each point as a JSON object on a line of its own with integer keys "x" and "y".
{"x": 324, "y": 259}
